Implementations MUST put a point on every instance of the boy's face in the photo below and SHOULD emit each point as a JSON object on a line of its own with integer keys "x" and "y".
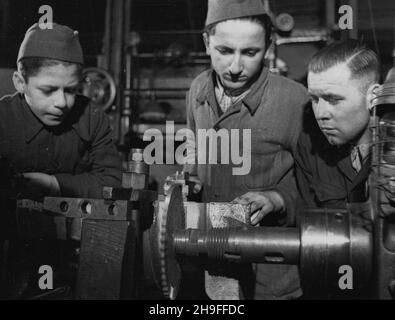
{"x": 51, "y": 92}
{"x": 237, "y": 51}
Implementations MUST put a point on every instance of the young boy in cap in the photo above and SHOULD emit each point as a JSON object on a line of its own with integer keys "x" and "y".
{"x": 239, "y": 92}
{"x": 49, "y": 133}
{"x": 53, "y": 137}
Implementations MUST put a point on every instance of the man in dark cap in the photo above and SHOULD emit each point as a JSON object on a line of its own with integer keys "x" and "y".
{"x": 53, "y": 136}
{"x": 239, "y": 92}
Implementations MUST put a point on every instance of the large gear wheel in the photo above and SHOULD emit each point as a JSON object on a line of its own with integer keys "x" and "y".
{"x": 169, "y": 216}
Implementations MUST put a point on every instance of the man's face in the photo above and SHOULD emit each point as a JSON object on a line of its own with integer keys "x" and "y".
{"x": 51, "y": 93}
{"x": 339, "y": 105}
{"x": 237, "y": 51}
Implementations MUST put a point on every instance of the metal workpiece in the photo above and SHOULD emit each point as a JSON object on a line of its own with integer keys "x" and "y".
{"x": 326, "y": 242}
{"x": 263, "y": 245}
{"x": 110, "y": 193}
{"x": 137, "y": 172}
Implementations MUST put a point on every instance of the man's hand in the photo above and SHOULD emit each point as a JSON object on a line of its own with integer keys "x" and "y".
{"x": 262, "y": 203}
{"x": 41, "y": 184}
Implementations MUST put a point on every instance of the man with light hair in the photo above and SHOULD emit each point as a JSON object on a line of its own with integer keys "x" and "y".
{"x": 332, "y": 157}
{"x": 333, "y": 152}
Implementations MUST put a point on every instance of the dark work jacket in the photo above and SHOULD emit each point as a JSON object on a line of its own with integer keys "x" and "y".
{"x": 80, "y": 152}
{"x": 325, "y": 175}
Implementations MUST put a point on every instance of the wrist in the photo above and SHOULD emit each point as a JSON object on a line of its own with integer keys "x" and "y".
{"x": 278, "y": 201}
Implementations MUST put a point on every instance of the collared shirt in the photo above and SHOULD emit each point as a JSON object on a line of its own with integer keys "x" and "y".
{"x": 224, "y": 100}
{"x": 80, "y": 152}
{"x": 358, "y": 155}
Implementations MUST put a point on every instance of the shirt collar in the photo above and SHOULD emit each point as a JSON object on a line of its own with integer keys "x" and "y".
{"x": 81, "y": 109}
{"x": 32, "y": 125}
{"x": 253, "y": 98}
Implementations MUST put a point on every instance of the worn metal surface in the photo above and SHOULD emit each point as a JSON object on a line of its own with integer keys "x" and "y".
{"x": 88, "y": 208}
{"x": 100, "y": 272}
{"x": 110, "y": 193}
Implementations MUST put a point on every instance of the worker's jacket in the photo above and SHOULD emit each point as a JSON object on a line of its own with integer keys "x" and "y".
{"x": 325, "y": 175}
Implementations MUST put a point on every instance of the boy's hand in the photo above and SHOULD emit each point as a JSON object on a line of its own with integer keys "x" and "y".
{"x": 41, "y": 184}
{"x": 262, "y": 203}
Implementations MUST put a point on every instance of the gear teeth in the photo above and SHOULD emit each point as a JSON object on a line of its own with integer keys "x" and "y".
{"x": 166, "y": 226}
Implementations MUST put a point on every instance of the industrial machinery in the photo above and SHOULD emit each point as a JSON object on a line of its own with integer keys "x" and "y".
{"x": 133, "y": 238}
{"x": 108, "y": 231}
{"x": 360, "y": 239}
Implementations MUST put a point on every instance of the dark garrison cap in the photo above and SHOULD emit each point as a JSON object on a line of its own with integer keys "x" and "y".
{"x": 221, "y": 10}
{"x": 60, "y": 43}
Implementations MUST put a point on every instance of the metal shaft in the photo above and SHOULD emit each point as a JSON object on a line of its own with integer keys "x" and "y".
{"x": 265, "y": 245}
{"x": 326, "y": 242}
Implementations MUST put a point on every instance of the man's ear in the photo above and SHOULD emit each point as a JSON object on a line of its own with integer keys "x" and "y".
{"x": 19, "y": 82}
{"x": 372, "y": 94}
{"x": 206, "y": 39}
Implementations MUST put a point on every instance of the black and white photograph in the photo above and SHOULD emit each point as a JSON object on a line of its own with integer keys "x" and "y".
{"x": 197, "y": 156}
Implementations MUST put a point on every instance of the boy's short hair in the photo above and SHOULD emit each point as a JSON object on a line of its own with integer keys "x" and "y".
{"x": 30, "y": 67}
{"x": 361, "y": 60}
{"x": 263, "y": 20}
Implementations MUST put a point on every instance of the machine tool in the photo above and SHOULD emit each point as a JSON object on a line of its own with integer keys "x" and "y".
{"x": 133, "y": 238}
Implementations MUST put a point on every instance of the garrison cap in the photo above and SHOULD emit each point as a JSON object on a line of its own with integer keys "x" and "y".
{"x": 60, "y": 43}
{"x": 221, "y": 10}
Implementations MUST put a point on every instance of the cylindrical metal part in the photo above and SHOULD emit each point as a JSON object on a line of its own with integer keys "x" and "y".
{"x": 333, "y": 242}
{"x": 138, "y": 167}
{"x": 262, "y": 245}
{"x": 328, "y": 243}
{"x": 136, "y": 154}
{"x": 137, "y": 172}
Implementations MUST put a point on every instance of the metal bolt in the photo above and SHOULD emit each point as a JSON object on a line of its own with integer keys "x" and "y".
{"x": 137, "y": 155}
